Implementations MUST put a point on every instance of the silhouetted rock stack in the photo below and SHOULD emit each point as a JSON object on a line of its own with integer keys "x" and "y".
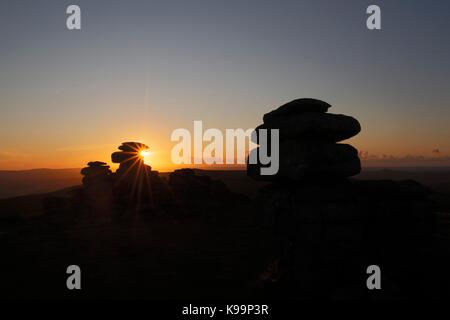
{"x": 97, "y": 182}
{"x": 129, "y": 177}
{"x": 129, "y": 157}
{"x": 135, "y": 182}
{"x": 329, "y": 229}
{"x": 308, "y": 137}
{"x": 136, "y": 187}
{"x": 96, "y": 174}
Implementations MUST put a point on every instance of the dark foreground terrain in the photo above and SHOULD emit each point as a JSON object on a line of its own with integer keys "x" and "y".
{"x": 156, "y": 257}
{"x": 218, "y": 251}
{"x": 204, "y": 249}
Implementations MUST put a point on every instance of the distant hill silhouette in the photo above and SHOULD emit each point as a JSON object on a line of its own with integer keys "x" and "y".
{"x": 25, "y": 182}
{"x": 37, "y": 181}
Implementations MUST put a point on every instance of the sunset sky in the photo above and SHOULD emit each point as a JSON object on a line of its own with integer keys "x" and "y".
{"x": 140, "y": 69}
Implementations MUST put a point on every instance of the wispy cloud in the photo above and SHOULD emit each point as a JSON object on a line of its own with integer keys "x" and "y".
{"x": 436, "y": 158}
{"x": 12, "y": 155}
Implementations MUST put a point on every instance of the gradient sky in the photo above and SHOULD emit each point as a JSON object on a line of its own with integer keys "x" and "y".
{"x": 139, "y": 69}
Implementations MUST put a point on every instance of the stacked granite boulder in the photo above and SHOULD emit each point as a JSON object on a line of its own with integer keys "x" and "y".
{"x": 136, "y": 187}
{"x": 97, "y": 178}
{"x": 129, "y": 157}
{"x": 308, "y": 145}
{"x": 96, "y": 172}
{"x": 135, "y": 182}
{"x": 97, "y": 183}
{"x": 328, "y": 229}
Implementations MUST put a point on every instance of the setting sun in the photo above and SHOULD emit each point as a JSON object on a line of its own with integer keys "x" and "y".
{"x": 145, "y": 153}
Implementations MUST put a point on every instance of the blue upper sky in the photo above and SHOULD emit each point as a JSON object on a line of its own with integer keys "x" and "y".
{"x": 139, "y": 69}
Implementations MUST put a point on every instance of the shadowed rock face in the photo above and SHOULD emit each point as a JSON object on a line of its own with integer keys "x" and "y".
{"x": 327, "y": 234}
{"x": 199, "y": 191}
{"x": 308, "y": 137}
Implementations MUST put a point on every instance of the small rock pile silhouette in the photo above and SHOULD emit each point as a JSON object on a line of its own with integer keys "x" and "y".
{"x": 98, "y": 184}
{"x": 308, "y": 145}
{"x": 96, "y": 172}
